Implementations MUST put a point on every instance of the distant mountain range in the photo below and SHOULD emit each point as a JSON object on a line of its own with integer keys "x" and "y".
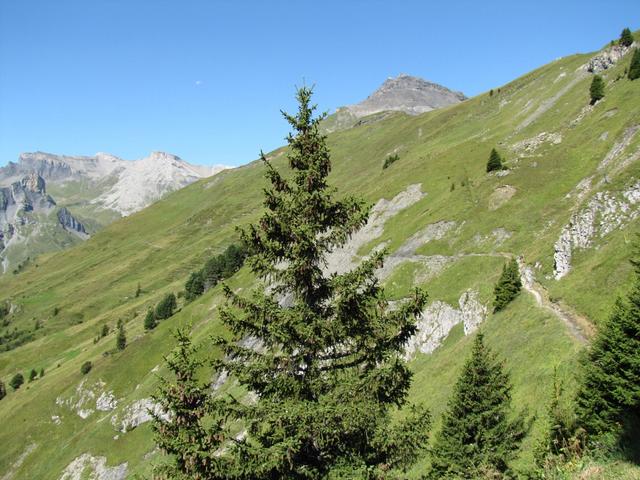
{"x": 52, "y": 201}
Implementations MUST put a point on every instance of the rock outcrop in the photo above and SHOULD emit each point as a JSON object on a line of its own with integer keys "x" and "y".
{"x": 606, "y": 59}
{"x": 70, "y": 223}
{"x": 88, "y": 466}
{"x": 437, "y": 320}
{"x": 605, "y": 212}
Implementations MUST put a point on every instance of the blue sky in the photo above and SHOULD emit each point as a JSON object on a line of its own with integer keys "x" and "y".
{"x": 205, "y": 80}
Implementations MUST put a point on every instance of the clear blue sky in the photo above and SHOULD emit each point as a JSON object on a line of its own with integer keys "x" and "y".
{"x": 205, "y": 79}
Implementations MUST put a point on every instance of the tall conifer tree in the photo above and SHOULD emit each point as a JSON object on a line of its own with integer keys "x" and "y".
{"x": 478, "y": 439}
{"x": 325, "y": 366}
{"x": 609, "y": 395}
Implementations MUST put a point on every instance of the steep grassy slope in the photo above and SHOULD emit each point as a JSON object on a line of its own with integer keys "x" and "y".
{"x": 445, "y": 152}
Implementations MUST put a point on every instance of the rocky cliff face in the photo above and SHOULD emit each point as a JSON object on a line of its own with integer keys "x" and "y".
{"x": 101, "y": 188}
{"x": 27, "y": 221}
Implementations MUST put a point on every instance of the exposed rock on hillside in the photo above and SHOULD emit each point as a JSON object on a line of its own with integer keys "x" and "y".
{"x": 606, "y": 59}
{"x": 605, "y": 212}
{"x": 439, "y": 318}
{"x": 136, "y": 414}
{"x": 88, "y": 466}
{"x": 27, "y": 220}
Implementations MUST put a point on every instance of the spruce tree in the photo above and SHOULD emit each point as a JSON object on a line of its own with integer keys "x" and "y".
{"x": 3, "y": 390}
{"x": 193, "y": 435}
{"x": 508, "y": 286}
{"x": 597, "y": 89}
{"x": 495, "y": 161}
{"x": 609, "y": 393}
{"x": 33, "y": 375}
{"x": 477, "y": 439}
{"x": 634, "y": 68}
{"x": 326, "y": 368}
{"x": 41, "y": 372}
{"x": 194, "y": 287}
{"x": 165, "y": 308}
{"x": 121, "y": 338}
{"x": 626, "y": 38}
{"x": 150, "y": 320}
{"x": 16, "y": 381}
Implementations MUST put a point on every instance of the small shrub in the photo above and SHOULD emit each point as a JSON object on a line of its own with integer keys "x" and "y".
{"x": 453, "y": 187}
{"x": 138, "y": 291}
{"x": 56, "y": 311}
{"x": 16, "y": 381}
{"x": 597, "y": 89}
{"x": 3, "y": 390}
{"x": 491, "y": 92}
{"x": 390, "y": 160}
{"x": 86, "y": 367}
{"x": 33, "y": 375}
{"x": 150, "y": 321}
{"x": 495, "y": 161}
{"x": 626, "y": 38}
{"x": 41, "y": 372}
{"x": 508, "y": 286}
{"x": 121, "y": 338}
{"x": 634, "y": 67}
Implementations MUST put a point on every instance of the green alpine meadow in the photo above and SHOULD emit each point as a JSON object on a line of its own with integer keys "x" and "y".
{"x": 402, "y": 290}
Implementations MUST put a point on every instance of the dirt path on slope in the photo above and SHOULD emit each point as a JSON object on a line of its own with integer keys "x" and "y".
{"x": 579, "y": 326}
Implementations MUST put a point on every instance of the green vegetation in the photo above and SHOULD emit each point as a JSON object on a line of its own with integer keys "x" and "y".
{"x": 508, "y": 286}
{"x": 33, "y": 375}
{"x": 609, "y": 395}
{"x": 626, "y": 38}
{"x": 121, "y": 337}
{"x": 495, "y": 161}
{"x": 150, "y": 321}
{"x": 86, "y": 367}
{"x": 596, "y": 90}
{"x": 165, "y": 307}
{"x": 3, "y": 390}
{"x": 16, "y": 381}
{"x": 634, "y": 67}
{"x": 194, "y": 286}
{"x": 160, "y": 246}
{"x": 478, "y": 438}
{"x": 390, "y": 160}
{"x": 330, "y": 373}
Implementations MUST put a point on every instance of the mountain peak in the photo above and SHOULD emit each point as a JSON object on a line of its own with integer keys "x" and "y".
{"x": 406, "y": 93}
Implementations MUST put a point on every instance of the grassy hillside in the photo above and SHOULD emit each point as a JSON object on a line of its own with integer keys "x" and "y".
{"x": 551, "y": 141}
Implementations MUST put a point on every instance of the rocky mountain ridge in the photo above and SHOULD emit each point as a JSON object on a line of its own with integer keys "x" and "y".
{"x": 27, "y": 218}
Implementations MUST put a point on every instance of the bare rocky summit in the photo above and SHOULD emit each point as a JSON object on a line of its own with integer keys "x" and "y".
{"x": 404, "y": 93}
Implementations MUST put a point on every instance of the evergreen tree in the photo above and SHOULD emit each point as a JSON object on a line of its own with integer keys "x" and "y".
{"x": 597, "y": 89}
{"x": 193, "y": 435}
{"x": 477, "y": 439}
{"x": 86, "y": 367}
{"x": 626, "y": 38}
{"x": 138, "y": 290}
{"x": 105, "y": 331}
{"x": 41, "y": 372}
{"x": 634, "y": 68}
{"x": 150, "y": 320}
{"x": 194, "y": 286}
{"x": 327, "y": 368}
{"x": 165, "y": 308}
{"x": 609, "y": 393}
{"x": 508, "y": 286}
{"x": 33, "y": 375}
{"x": 121, "y": 338}
{"x": 16, "y": 381}
{"x": 3, "y": 390}
{"x": 495, "y": 161}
